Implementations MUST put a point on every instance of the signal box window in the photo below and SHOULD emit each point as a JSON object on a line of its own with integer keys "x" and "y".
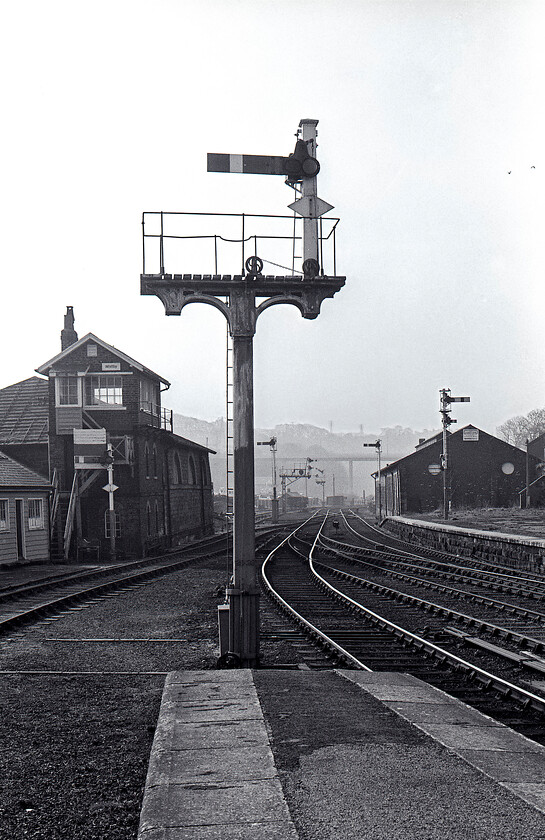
{"x": 67, "y": 390}
{"x": 104, "y": 390}
{"x": 35, "y": 514}
{"x": 4, "y": 515}
{"x": 149, "y": 397}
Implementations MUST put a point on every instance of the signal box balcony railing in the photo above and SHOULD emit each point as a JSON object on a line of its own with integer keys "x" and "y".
{"x": 154, "y": 415}
{"x": 220, "y": 243}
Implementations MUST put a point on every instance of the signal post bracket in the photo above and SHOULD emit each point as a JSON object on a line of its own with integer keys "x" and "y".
{"x": 242, "y": 310}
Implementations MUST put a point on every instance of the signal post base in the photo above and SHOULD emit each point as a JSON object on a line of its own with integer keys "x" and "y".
{"x": 244, "y": 627}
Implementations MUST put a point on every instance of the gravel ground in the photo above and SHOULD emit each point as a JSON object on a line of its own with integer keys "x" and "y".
{"x": 75, "y": 748}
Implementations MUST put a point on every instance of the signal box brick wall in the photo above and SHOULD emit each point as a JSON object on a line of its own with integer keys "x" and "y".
{"x": 482, "y": 472}
{"x": 116, "y": 418}
{"x": 164, "y": 493}
{"x": 154, "y": 509}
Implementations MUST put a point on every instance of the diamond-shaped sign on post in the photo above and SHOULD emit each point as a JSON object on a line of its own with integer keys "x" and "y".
{"x": 311, "y": 207}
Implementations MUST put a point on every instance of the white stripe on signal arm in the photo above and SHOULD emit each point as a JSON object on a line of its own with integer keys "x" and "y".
{"x": 235, "y": 163}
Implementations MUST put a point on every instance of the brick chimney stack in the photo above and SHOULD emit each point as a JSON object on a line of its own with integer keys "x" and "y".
{"x": 68, "y": 335}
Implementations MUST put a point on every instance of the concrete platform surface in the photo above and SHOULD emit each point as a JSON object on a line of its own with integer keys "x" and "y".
{"x": 334, "y": 755}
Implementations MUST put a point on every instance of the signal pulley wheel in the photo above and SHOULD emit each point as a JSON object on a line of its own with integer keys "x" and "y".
{"x": 311, "y": 268}
{"x": 254, "y": 265}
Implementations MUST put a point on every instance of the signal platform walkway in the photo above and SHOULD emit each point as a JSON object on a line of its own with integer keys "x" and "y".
{"x": 334, "y": 755}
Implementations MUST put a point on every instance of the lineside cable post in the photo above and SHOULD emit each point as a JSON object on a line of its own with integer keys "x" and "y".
{"x": 242, "y": 298}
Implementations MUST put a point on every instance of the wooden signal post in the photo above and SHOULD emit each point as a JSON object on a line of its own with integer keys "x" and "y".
{"x": 236, "y": 296}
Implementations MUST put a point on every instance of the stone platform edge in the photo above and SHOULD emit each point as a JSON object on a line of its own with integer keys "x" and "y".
{"x": 212, "y": 773}
{"x": 505, "y": 756}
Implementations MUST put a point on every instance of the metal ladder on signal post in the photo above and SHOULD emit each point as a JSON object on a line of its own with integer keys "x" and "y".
{"x": 229, "y": 431}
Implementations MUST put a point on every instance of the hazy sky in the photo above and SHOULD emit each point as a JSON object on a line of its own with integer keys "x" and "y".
{"x": 109, "y": 109}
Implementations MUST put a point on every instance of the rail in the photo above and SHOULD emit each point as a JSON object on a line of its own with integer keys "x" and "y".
{"x": 487, "y": 679}
{"x": 311, "y": 628}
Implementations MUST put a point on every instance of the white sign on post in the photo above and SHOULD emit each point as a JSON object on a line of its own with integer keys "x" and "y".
{"x": 90, "y": 437}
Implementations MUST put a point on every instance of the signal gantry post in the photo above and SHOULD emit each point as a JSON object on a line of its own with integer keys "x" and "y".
{"x": 378, "y": 493}
{"x": 237, "y": 297}
{"x": 274, "y": 506}
{"x": 446, "y": 420}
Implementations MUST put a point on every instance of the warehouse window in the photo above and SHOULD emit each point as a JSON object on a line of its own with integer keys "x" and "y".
{"x": 192, "y": 471}
{"x": 104, "y": 390}
{"x": 154, "y": 461}
{"x": 146, "y": 459}
{"x": 4, "y": 515}
{"x": 177, "y": 469}
{"x": 148, "y": 514}
{"x": 35, "y": 514}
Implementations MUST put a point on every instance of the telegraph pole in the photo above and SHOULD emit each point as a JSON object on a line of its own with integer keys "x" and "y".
{"x": 446, "y": 419}
{"x": 242, "y": 298}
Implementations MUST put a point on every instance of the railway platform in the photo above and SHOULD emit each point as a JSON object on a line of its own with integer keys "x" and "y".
{"x": 281, "y": 754}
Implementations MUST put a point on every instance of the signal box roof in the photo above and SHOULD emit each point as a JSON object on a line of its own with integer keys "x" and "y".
{"x": 90, "y": 337}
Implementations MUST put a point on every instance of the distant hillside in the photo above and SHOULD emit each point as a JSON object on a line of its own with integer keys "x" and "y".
{"x": 298, "y": 440}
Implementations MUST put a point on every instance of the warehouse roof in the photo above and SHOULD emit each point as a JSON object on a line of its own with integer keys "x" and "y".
{"x": 437, "y": 439}
{"x": 24, "y": 412}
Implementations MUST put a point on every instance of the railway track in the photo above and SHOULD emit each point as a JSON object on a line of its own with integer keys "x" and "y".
{"x": 519, "y": 619}
{"x": 381, "y": 631}
{"x": 44, "y": 593}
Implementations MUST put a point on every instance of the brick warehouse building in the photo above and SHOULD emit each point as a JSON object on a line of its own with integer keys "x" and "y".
{"x": 483, "y": 470}
{"x": 95, "y": 392}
